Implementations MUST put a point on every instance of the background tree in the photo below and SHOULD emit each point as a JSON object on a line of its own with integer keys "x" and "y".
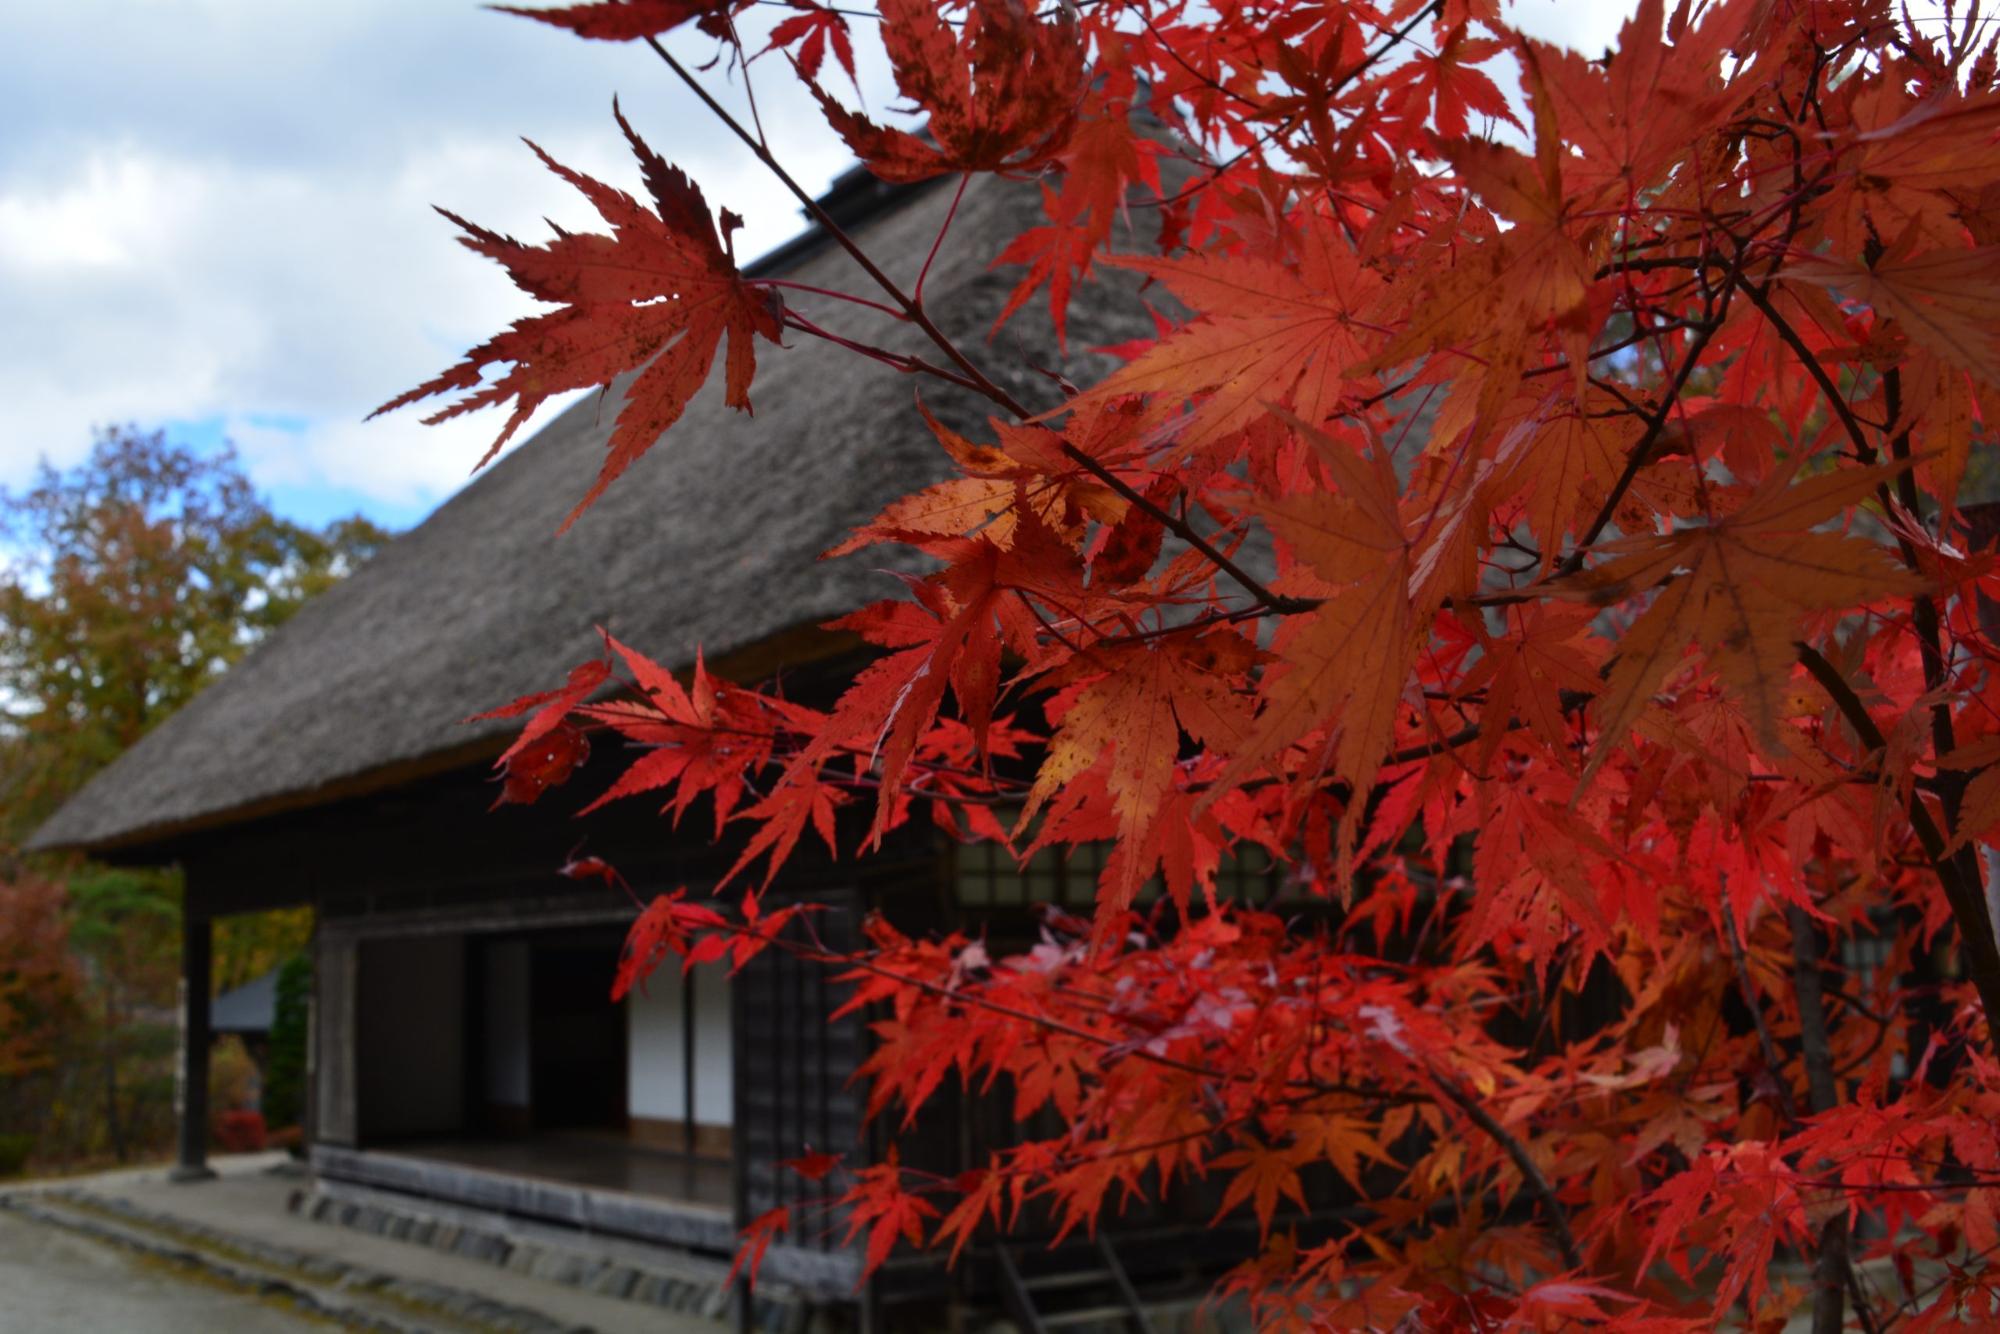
{"x": 1615, "y": 685}
{"x": 127, "y": 583}
{"x": 40, "y": 1003}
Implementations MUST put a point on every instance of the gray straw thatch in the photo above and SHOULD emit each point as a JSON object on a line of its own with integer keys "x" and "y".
{"x": 710, "y": 540}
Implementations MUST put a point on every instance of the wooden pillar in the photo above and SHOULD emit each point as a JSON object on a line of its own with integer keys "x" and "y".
{"x": 191, "y": 1079}
{"x": 742, "y": 1315}
{"x": 335, "y": 1086}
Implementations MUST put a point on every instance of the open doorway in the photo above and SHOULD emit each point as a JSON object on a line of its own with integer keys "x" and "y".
{"x": 504, "y": 1052}
{"x": 577, "y": 1037}
{"x": 410, "y": 1044}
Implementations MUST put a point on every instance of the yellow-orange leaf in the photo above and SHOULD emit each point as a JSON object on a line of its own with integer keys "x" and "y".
{"x": 1131, "y": 719}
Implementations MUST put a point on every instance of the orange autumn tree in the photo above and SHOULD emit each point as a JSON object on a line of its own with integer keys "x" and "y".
{"x": 1551, "y": 527}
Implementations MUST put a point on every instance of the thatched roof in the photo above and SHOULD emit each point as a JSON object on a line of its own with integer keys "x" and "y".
{"x": 709, "y": 540}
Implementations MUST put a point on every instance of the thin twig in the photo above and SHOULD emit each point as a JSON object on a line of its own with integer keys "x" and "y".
{"x": 974, "y": 377}
{"x": 964, "y": 179}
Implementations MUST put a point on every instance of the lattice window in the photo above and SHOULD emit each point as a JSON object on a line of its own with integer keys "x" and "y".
{"x": 985, "y": 876}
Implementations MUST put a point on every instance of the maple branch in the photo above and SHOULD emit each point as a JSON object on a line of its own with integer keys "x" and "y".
{"x": 911, "y": 310}
{"x": 1204, "y": 80}
{"x": 1641, "y": 453}
{"x": 1279, "y": 603}
{"x": 974, "y": 378}
{"x": 1835, "y": 401}
{"x": 1750, "y": 1002}
{"x": 825, "y": 292}
{"x": 1334, "y": 88}
{"x": 1715, "y": 312}
{"x": 1524, "y": 1163}
{"x": 1003, "y": 789}
{"x": 743, "y": 63}
{"x": 1930, "y": 645}
{"x": 821, "y": 954}
{"x": 1924, "y": 614}
{"x": 1967, "y": 900}
{"x": 903, "y": 362}
{"x": 1652, "y": 263}
{"x": 1557, "y": 367}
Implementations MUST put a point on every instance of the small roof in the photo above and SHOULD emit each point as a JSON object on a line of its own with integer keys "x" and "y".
{"x": 710, "y": 540}
{"x": 246, "y": 1009}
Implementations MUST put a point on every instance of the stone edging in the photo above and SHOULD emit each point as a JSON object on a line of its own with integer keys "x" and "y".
{"x": 215, "y": 1253}
{"x": 206, "y": 1266}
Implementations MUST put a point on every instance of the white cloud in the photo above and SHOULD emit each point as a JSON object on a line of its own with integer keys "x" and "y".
{"x": 219, "y": 210}
{"x": 1586, "y": 26}
{"x": 149, "y": 288}
{"x": 246, "y": 234}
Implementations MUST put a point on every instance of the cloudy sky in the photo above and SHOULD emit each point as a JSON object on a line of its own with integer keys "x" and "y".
{"x": 214, "y": 216}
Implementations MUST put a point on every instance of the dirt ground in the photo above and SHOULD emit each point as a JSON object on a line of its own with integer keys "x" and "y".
{"x": 51, "y": 1280}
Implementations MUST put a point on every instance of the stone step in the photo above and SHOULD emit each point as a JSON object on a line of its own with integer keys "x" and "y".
{"x": 352, "y": 1295}
{"x": 647, "y": 1275}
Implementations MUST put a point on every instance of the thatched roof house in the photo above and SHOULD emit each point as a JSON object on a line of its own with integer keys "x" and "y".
{"x": 459, "y": 1005}
{"x": 709, "y": 540}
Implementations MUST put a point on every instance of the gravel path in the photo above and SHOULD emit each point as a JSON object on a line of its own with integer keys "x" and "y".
{"x": 52, "y": 1280}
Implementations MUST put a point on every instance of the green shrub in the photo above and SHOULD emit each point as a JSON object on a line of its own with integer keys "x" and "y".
{"x": 285, "y": 1069}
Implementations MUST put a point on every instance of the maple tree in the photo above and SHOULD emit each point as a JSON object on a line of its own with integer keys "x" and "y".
{"x": 1548, "y": 530}
{"x": 39, "y": 980}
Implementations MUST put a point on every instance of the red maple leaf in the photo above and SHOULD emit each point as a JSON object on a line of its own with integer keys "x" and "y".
{"x": 814, "y": 1166}
{"x": 1001, "y": 92}
{"x": 757, "y": 1240}
{"x": 549, "y": 748}
{"x": 812, "y": 30}
{"x": 879, "y": 1203}
{"x": 629, "y": 20}
{"x": 660, "y": 293}
{"x": 663, "y": 928}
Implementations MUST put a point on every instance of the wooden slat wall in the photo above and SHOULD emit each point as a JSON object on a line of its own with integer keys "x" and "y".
{"x": 792, "y": 1065}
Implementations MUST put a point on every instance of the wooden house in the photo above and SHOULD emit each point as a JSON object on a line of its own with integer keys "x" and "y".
{"x": 463, "y": 1047}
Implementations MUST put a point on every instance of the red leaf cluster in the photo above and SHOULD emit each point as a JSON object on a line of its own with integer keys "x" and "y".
{"x": 1001, "y": 91}
{"x": 660, "y": 293}
{"x": 1498, "y": 699}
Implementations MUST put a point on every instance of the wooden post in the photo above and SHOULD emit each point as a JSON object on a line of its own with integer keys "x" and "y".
{"x": 742, "y": 1315}
{"x": 192, "y": 1076}
{"x": 335, "y": 1092}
